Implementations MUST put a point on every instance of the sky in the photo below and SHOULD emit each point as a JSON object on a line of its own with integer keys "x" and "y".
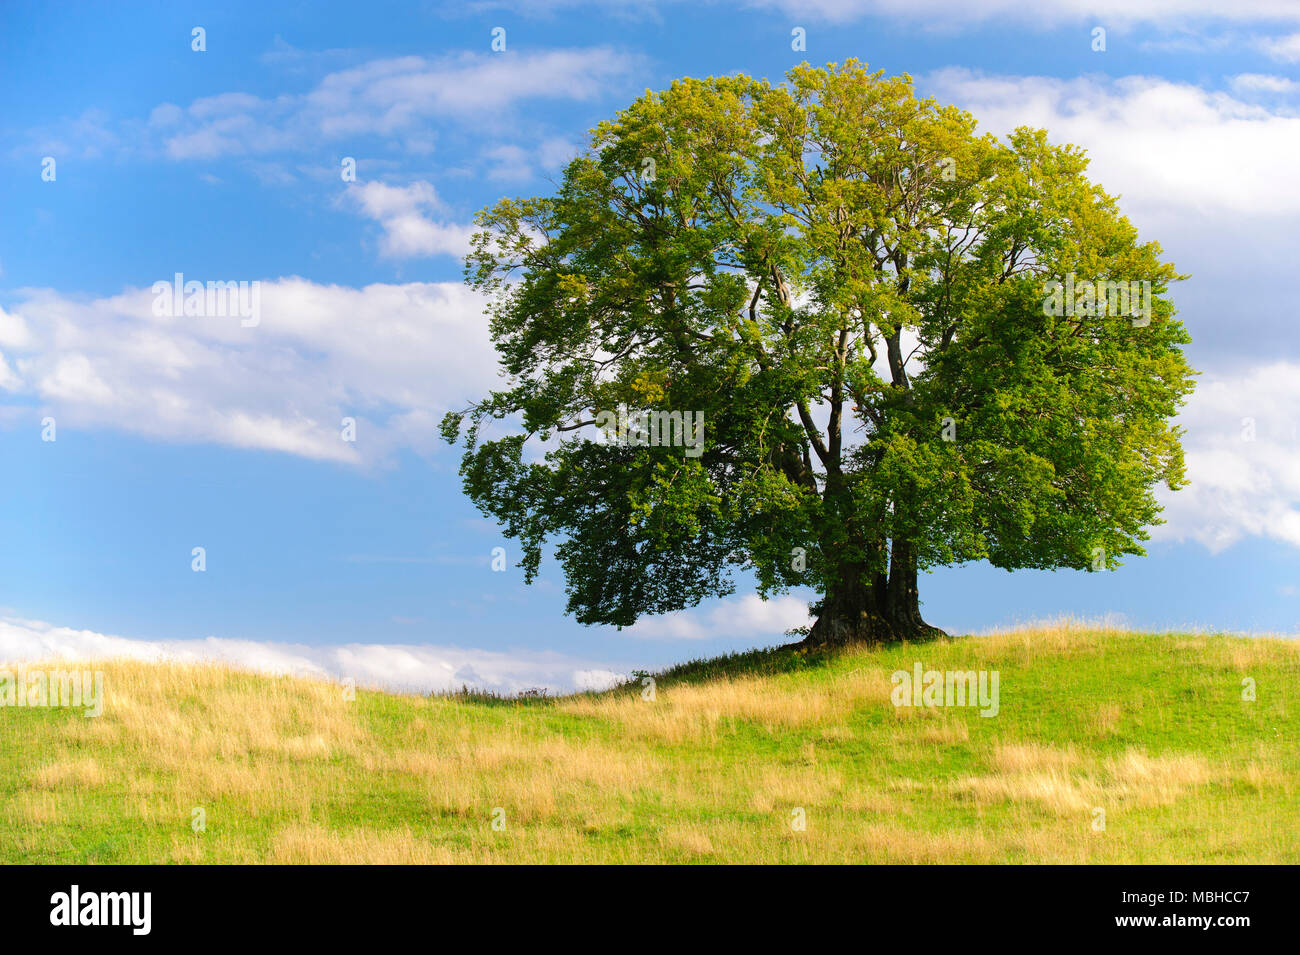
{"x": 138, "y": 141}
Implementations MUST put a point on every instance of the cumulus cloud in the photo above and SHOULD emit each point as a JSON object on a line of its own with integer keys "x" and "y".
{"x": 393, "y": 357}
{"x": 406, "y": 214}
{"x": 413, "y": 668}
{"x": 1164, "y": 146}
{"x": 1243, "y": 460}
{"x": 748, "y": 616}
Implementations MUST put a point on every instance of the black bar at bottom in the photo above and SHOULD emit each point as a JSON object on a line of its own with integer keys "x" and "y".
{"x": 335, "y": 904}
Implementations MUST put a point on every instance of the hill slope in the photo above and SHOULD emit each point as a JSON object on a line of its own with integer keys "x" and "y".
{"x": 718, "y": 767}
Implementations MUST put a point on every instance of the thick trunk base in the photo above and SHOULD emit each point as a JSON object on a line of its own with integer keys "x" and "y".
{"x": 858, "y": 618}
{"x": 870, "y": 606}
{"x": 836, "y": 631}
{"x": 908, "y": 625}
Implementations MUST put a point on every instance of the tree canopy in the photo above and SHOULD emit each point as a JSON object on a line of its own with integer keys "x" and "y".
{"x": 861, "y": 298}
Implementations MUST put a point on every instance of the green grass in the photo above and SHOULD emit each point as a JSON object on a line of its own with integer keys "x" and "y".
{"x": 1152, "y": 729}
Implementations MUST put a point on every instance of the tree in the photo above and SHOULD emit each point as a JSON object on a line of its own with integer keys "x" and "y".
{"x": 907, "y": 342}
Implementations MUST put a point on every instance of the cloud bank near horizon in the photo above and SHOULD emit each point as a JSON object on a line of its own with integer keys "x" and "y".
{"x": 417, "y": 668}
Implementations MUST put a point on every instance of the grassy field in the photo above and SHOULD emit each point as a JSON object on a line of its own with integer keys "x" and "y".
{"x": 1152, "y": 729}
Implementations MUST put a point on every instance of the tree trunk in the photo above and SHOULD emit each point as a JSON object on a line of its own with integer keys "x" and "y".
{"x": 851, "y": 612}
{"x": 903, "y": 606}
{"x": 862, "y": 607}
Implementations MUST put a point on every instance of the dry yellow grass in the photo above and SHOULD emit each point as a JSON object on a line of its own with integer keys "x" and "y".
{"x": 1061, "y": 781}
{"x": 806, "y": 760}
{"x": 695, "y": 713}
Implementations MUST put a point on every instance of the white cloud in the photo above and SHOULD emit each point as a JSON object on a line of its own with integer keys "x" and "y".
{"x": 408, "y": 230}
{"x": 13, "y": 330}
{"x": 414, "y": 668}
{"x": 749, "y": 616}
{"x": 1263, "y": 83}
{"x": 1284, "y": 48}
{"x": 381, "y": 201}
{"x": 1243, "y": 460}
{"x": 512, "y": 163}
{"x": 509, "y": 163}
{"x": 555, "y": 152}
{"x": 394, "y": 357}
{"x": 387, "y": 98}
{"x": 8, "y": 380}
{"x": 1165, "y": 147}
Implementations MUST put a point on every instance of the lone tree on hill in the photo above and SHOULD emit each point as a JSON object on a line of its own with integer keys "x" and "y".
{"x": 909, "y": 346}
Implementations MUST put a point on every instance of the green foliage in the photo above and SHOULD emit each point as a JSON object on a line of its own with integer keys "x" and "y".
{"x": 833, "y": 272}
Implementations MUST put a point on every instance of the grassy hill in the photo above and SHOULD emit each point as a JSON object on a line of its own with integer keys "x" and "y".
{"x": 1150, "y": 728}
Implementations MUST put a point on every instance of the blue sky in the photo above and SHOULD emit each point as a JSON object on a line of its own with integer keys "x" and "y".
{"x": 364, "y": 557}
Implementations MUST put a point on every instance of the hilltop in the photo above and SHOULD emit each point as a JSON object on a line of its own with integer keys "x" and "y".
{"x": 719, "y": 767}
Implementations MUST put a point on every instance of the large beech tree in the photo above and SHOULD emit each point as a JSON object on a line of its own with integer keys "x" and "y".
{"x": 851, "y": 286}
